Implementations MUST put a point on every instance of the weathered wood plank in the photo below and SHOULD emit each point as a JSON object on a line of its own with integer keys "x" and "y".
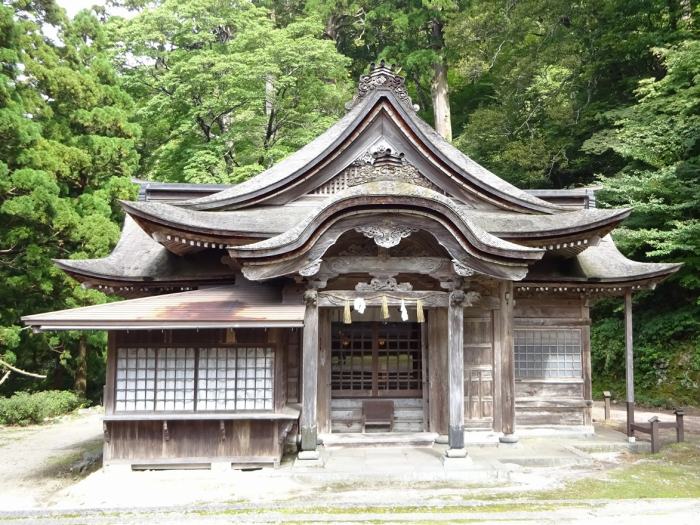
{"x": 437, "y": 369}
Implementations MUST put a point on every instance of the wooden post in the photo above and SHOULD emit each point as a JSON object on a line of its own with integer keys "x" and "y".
{"x": 309, "y": 377}
{"x": 629, "y": 361}
{"x": 654, "y": 431}
{"x": 507, "y": 362}
{"x": 680, "y": 431}
{"x": 606, "y": 397}
{"x": 455, "y": 364}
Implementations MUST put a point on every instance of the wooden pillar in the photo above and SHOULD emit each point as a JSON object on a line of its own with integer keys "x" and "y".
{"x": 629, "y": 362}
{"x": 505, "y": 292}
{"x": 309, "y": 372}
{"x": 455, "y": 363}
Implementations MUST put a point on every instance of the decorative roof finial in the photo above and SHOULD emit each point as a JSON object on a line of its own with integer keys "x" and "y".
{"x": 383, "y": 76}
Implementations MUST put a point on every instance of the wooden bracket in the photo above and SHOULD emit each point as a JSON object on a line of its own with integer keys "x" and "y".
{"x": 222, "y": 431}
{"x": 166, "y": 433}
{"x": 105, "y": 431}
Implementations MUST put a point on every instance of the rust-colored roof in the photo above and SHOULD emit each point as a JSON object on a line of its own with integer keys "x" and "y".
{"x": 218, "y": 307}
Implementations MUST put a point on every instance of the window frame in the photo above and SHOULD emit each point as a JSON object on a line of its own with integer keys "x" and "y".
{"x": 194, "y": 411}
{"x": 544, "y": 378}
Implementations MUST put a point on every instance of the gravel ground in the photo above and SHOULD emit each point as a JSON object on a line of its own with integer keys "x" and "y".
{"x": 38, "y": 461}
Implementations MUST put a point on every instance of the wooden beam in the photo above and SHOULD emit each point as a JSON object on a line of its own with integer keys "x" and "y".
{"x": 455, "y": 363}
{"x": 505, "y": 291}
{"x": 629, "y": 362}
{"x": 309, "y": 373}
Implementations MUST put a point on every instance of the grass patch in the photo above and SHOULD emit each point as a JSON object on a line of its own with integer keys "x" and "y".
{"x": 672, "y": 473}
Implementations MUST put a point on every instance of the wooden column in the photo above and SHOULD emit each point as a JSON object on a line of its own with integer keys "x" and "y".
{"x": 455, "y": 363}
{"x": 505, "y": 292}
{"x": 309, "y": 373}
{"x": 629, "y": 361}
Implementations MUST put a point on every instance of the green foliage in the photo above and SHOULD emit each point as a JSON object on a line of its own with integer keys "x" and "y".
{"x": 68, "y": 152}
{"x": 222, "y": 92}
{"x": 543, "y": 92}
{"x": 24, "y": 408}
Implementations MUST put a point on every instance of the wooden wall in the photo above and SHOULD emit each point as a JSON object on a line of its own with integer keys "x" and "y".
{"x": 240, "y": 441}
{"x": 244, "y": 442}
{"x": 555, "y": 401}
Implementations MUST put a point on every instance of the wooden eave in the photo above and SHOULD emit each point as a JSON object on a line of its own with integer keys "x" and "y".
{"x": 382, "y": 198}
{"x": 216, "y": 307}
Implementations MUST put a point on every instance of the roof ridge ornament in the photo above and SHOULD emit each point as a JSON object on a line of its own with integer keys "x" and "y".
{"x": 383, "y": 76}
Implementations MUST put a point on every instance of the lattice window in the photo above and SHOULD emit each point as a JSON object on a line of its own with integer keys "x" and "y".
{"x": 376, "y": 360}
{"x": 175, "y": 379}
{"x": 235, "y": 379}
{"x": 163, "y": 379}
{"x": 135, "y": 382}
{"x": 548, "y": 353}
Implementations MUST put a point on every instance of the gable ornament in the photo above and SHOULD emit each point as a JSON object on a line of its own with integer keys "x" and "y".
{"x": 387, "y": 234}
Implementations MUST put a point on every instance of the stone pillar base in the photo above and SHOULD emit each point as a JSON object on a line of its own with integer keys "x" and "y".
{"x": 456, "y": 453}
{"x": 456, "y": 463}
{"x": 508, "y": 439}
{"x": 308, "y": 455}
{"x": 442, "y": 439}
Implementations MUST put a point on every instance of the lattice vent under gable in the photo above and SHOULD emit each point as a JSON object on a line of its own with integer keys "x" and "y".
{"x": 361, "y": 172}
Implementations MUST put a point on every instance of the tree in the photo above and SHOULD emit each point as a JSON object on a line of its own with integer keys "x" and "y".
{"x": 657, "y": 140}
{"x": 68, "y": 153}
{"x": 223, "y": 93}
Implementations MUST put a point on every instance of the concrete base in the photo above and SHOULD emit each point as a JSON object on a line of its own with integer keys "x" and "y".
{"x": 442, "y": 439}
{"x": 456, "y": 453}
{"x": 220, "y": 466}
{"x": 456, "y": 463}
{"x": 308, "y": 455}
{"x": 116, "y": 468}
{"x": 508, "y": 439}
{"x": 631, "y": 439}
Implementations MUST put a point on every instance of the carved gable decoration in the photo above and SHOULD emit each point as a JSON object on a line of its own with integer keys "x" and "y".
{"x": 383, "y": 76}
{"x": 381, "y": 164}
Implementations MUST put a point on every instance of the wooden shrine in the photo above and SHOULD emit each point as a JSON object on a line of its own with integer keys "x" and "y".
{"x": 376, "y": 280}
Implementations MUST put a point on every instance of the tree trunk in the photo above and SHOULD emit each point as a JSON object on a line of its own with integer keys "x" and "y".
{"x": 80, "y": 385}
{"x": 438, "y": 89}
{"x": 441, "y": 101}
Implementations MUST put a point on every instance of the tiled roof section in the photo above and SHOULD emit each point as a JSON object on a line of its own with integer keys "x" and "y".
{"x": 515, "y": 225}
{"x": 138, "y": 258}
{"x": 603, "y": 263}
{"x": 267, "y": 221}
{"x": 261, "y": 221}
{"x": 382, "y": 189}
{"x": 216, "y": 307}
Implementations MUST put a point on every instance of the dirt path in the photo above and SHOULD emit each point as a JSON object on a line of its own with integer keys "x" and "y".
{"x": 37, "y": 461}
{"x": 618, "y": 413}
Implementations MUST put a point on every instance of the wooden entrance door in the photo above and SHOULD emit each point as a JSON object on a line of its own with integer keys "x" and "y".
{"x": 374, "y": 359}
{"x": 478, "y": 372}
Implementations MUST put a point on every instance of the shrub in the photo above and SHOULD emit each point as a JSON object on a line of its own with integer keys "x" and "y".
{"x": 24, "y": 408}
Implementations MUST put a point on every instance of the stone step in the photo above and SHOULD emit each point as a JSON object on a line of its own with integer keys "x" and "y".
{"x": 379, "y": 439}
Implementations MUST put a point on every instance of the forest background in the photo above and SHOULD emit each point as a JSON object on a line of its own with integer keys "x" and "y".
{"x": 545, "y": 93}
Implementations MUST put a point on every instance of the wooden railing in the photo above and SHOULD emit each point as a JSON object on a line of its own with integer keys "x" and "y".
{"x": 652, "y": 428}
